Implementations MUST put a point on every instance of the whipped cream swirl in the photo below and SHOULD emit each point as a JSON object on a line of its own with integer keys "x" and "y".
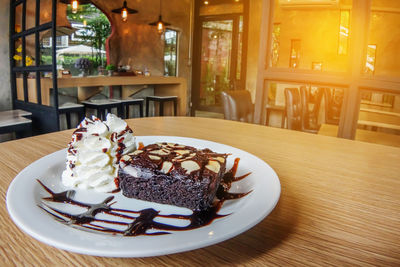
{"x": 94, "y": 153}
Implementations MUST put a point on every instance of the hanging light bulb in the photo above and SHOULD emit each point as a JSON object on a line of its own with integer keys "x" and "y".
{"x": 124, "y": 15}
{"x": 160, "y": 27}
{"x": 124, "y": 11}
{"x": 74, "y": 6}
{"x": 160, "y": 24}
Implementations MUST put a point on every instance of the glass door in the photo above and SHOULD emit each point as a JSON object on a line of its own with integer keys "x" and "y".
{"x": 216, "y": 59}
{"x": 218, "y": 63}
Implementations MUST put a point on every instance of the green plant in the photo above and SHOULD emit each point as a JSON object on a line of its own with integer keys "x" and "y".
{"x": 98, "y": 28}
{"x": 110, "y": 67}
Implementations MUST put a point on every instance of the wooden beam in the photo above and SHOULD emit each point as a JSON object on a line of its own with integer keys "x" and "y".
{"x": 358, "y": 43}
{"x": 297, "y": 76}
{"x": 263, "y": 58}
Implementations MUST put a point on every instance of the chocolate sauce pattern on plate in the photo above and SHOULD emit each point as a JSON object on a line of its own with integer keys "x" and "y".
{"x": 142, "y": 220}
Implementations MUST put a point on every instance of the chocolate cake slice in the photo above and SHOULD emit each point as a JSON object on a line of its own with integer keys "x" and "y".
{"x": 172, "y": 174}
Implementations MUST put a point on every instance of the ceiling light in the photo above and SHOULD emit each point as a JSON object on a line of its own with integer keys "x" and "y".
{"x": 160, "y": 23}
{"x": 124, "y": 11}
{"x": 75, "y": 4}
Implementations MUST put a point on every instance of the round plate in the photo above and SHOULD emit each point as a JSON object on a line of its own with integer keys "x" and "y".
{"x": 25, "y": 195}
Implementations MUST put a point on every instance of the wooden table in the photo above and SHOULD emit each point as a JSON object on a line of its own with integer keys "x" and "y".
{"x": 16, "y": 120}
{"x": 364, "y": 135}
{"x": 381, "y": 116}
{"x": 340, "y": 202}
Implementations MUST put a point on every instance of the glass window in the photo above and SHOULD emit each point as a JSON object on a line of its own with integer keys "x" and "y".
{"x": 62, "y": 41}
{"x": 215, "y": 60}
{"x": 294, "y": 53}
{"x": 46, "y": 11}
{"x": 379, "y": 118}
{"x": 18, "y": 18}
{"x": 321, "y": 113}
{"x": 370, "y": 62}
{"x": 170, "y": 52}
{"x": 310, "y": 35}
{"x": 30, "y": 50}
{"x": 240, "y": 49}
{"x": 344, "y": 32}
{"x": 276, "y": 33}
{"x": 383, "y": 57}
{"x": 30, "y": 14}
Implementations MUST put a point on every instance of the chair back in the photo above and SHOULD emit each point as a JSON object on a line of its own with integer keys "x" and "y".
{"x": 305, "y": 113}
{"x": 332, "y": 107}
{"x": 293, "y": 109}
{"x": 238, "y": 105}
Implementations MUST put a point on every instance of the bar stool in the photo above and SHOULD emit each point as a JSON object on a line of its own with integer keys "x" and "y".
{"x": 126, "y": 103}
{"x": 103, "y": 107}
{"x": 69, "y": 108}
{"x": 161, "y": 100}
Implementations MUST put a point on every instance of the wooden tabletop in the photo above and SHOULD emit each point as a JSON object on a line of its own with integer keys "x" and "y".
{"x": 364, "y": 135}
{"x": 340, "y": 202}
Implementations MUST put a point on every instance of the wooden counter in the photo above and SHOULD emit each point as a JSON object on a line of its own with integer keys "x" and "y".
{"x": 88, "y": 86}
{"x": 340, "y": 201}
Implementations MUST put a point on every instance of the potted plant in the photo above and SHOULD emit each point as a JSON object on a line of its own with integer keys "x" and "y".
{"x": 110, "y": 68}
{"x": 83, "y": 64}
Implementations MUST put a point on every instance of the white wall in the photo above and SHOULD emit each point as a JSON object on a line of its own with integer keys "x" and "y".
{"x": 5, "y": 90}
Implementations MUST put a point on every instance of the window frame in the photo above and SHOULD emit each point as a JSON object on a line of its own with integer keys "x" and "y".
{"x": 176, "y": 48}
{"x": 44, "y": 118}
{"x": 353, "y": 80}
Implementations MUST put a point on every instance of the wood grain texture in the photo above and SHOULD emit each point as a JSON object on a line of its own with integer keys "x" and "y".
{"x": 340, "y": 202}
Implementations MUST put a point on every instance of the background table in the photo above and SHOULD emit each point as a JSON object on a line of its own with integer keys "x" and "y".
{"x": 340, "y": 201}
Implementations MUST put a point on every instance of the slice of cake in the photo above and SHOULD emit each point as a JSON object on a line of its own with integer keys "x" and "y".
{"x": 172, "y": 174}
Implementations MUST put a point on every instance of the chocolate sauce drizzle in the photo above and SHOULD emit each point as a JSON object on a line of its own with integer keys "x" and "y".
{"x": 141, "y": 221}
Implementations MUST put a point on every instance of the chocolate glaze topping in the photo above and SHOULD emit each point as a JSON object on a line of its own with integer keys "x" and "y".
{"x": 141, "y": 221}
{"x": 154, "y": 156}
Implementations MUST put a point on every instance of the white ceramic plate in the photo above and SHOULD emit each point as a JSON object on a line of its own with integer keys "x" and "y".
{"x": 25, "y": 194}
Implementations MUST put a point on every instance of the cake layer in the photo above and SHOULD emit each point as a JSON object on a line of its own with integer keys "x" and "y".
{"x": 172, "y": 174}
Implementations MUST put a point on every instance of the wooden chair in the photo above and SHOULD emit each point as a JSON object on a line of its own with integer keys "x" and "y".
{"x": 295, "y": 112}
{"x": 280, "y": 109}
{"x": 310, "y": 116}
{"x": 333, "y": 106}
{"x": 293, "y": 109}
{"x": 238, "y": 105}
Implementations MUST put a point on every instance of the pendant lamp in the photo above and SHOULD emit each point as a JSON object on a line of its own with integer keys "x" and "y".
{"x": 160, "y": 24}
{"x": 124, "y": 11}
{"x": 75, "y": 4}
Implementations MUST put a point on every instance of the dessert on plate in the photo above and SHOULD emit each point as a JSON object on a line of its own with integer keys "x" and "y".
{"x": 172, "y": 174}
{"x": 102, "y": 156}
